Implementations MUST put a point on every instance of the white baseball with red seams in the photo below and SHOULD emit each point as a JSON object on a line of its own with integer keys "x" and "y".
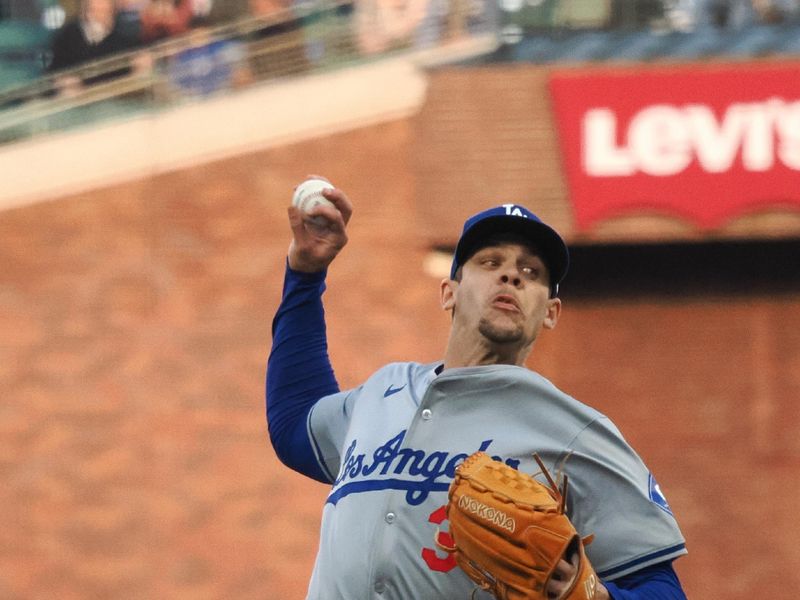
{"x": 308, "y": 195}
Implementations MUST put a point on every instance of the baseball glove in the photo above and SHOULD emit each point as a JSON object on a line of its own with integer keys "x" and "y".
{"x": 508, "y": 531}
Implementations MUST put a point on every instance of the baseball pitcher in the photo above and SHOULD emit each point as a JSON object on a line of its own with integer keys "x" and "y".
{"x": 472, "y": 477}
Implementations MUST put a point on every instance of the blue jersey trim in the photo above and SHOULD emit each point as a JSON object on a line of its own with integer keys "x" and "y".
{"x": 644, "y": 559}
{"x": 417, "y": 491}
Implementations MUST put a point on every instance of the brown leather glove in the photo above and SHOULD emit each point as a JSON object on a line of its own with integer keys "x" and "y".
{"x": 509, "y": 531}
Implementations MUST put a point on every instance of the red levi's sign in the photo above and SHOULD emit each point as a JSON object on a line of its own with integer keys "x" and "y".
{"x": 706, "y": 143}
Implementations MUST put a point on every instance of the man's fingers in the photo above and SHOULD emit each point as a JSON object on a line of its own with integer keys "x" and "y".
{"x": 330, "y": 216}
{"x": 562, "y": 578}
{"x": 341, "y": 202}
{"x": 564, "y": 569}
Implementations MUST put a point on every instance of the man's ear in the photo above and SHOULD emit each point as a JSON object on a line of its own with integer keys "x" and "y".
{"x": 552, "y": 314}
{"x": 447, "y": 293}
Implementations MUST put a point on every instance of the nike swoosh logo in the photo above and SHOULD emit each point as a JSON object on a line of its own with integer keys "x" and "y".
{"x": 390, "y": 390}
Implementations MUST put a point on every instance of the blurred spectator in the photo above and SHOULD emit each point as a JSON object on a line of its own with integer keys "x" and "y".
{"x": 391, "y": 24}
{"x": 208, "y": 65}
{"x": 278, "y": 47}
{"x": 162, "y": 19}
{"x": 92, "y": 35}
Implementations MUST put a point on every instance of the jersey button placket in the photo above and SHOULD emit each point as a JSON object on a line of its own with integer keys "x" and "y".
{"x": 390, "y": 517}
{"x": 427, "y": 414}
{"x": 380, "y": 587}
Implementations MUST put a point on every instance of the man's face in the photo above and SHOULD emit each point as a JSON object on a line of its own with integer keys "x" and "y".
{"x": 504, "y": 294}
{"x": 100, "y": 11}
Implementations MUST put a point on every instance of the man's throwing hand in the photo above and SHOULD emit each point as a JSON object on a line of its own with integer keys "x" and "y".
{"x": 316, "y": 242}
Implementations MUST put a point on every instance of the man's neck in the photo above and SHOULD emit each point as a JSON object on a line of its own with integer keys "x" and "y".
{"x": 471, "y": 354}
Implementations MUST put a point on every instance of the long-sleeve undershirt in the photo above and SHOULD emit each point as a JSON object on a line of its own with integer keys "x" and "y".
{"x": 299, "y": 370}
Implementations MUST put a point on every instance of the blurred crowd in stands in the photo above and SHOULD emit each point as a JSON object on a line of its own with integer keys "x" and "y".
{"x": 655, "y": 15}
{"x": 84, "y": 31}
{"x": 92, "y": 32}
{"x": 96, "y": 29}
{"x": 288, "y": 36}
{"x": 689, "y": 14}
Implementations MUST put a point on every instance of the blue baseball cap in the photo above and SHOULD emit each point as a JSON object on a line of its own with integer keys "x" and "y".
{"x": 513, "y": 218}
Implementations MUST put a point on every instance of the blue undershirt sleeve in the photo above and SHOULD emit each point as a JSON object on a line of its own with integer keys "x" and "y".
{"x": 299, "y": 371}
{"x": 656, "y": 582}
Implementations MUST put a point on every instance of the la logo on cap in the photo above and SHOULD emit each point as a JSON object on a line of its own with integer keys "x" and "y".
{"x": 514, "y": 210}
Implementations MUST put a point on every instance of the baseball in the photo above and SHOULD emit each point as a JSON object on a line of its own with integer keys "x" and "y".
{"x": 308, "y": 195}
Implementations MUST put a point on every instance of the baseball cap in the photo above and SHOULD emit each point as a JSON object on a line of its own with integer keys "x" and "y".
{"x": 513, "y": 218}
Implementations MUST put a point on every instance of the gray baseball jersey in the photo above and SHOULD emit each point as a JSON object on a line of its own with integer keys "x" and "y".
{"x": 391, "y": 447}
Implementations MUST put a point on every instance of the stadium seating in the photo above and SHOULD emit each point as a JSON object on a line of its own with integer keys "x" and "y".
{"x": 592, "y": 45}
